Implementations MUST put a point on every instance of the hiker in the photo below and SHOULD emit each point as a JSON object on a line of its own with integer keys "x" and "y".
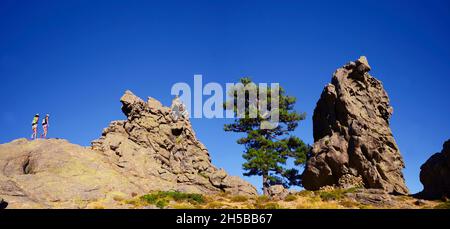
{"x": 34, "y": 126}
{"x": 45, "y": 126}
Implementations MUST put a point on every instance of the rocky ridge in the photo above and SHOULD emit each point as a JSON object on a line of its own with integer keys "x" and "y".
{"x": 149, "y": 151}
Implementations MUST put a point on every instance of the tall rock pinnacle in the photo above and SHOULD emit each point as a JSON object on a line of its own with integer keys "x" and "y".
{"x": 353, "y": 144}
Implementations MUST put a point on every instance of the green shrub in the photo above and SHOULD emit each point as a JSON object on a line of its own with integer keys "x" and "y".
{"x": 336, "y": 194}
{"x": 162, "y": 203}
{"x": 150, "y": 198}
{"x": 162, "y": 199}
{"x": 189, "y": 197}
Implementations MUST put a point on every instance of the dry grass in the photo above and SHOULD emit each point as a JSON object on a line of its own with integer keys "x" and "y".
{"x": 290, "y": 198}
{"x": 239, "y": 199}
{"x": 443, "y": 205}
{"x": 96, "y": 205}
{"x": 331, "y": 199}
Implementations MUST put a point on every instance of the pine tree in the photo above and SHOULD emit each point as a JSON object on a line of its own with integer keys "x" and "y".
{"x": 267, "y": 150}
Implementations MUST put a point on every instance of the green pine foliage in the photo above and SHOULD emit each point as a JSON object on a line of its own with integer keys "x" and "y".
{"x": 268, "y": 150}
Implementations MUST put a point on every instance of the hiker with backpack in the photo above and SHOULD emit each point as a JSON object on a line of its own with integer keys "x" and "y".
{"x": 45, "y": 126}
{"x": 34, "y": 126}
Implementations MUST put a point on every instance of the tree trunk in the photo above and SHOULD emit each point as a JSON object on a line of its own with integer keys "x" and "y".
{"x": 265, "y": 184}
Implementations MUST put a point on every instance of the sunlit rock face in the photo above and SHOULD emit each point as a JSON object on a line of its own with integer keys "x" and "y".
{"x": 149, "y": 151}
{"x": 353, "y": 143}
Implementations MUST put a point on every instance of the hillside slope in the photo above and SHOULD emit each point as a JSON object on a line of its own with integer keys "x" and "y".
{"x": 149, "y": 151}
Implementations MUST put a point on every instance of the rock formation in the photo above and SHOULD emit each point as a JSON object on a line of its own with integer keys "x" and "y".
{"x": 372, "y": 197}
{"x": 165, "y": 153}
{"x": 435, "y": 174}
{"x": 279, "y": 192}
{"x": 353, "y": 144}
{"x": 147, "y": 152}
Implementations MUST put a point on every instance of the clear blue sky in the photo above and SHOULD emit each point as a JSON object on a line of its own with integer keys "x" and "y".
{"x": 74, "y": 59}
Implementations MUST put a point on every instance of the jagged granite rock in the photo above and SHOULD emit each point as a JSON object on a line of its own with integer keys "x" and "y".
{"x": 353, "y": 144}
{"x": 435, "y": 174}
{"x": 160, "y": 153}
{"x": 147, "y": 152}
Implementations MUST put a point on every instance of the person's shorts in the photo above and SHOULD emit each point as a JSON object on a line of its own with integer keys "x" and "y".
{"x": 34, "y": 126}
